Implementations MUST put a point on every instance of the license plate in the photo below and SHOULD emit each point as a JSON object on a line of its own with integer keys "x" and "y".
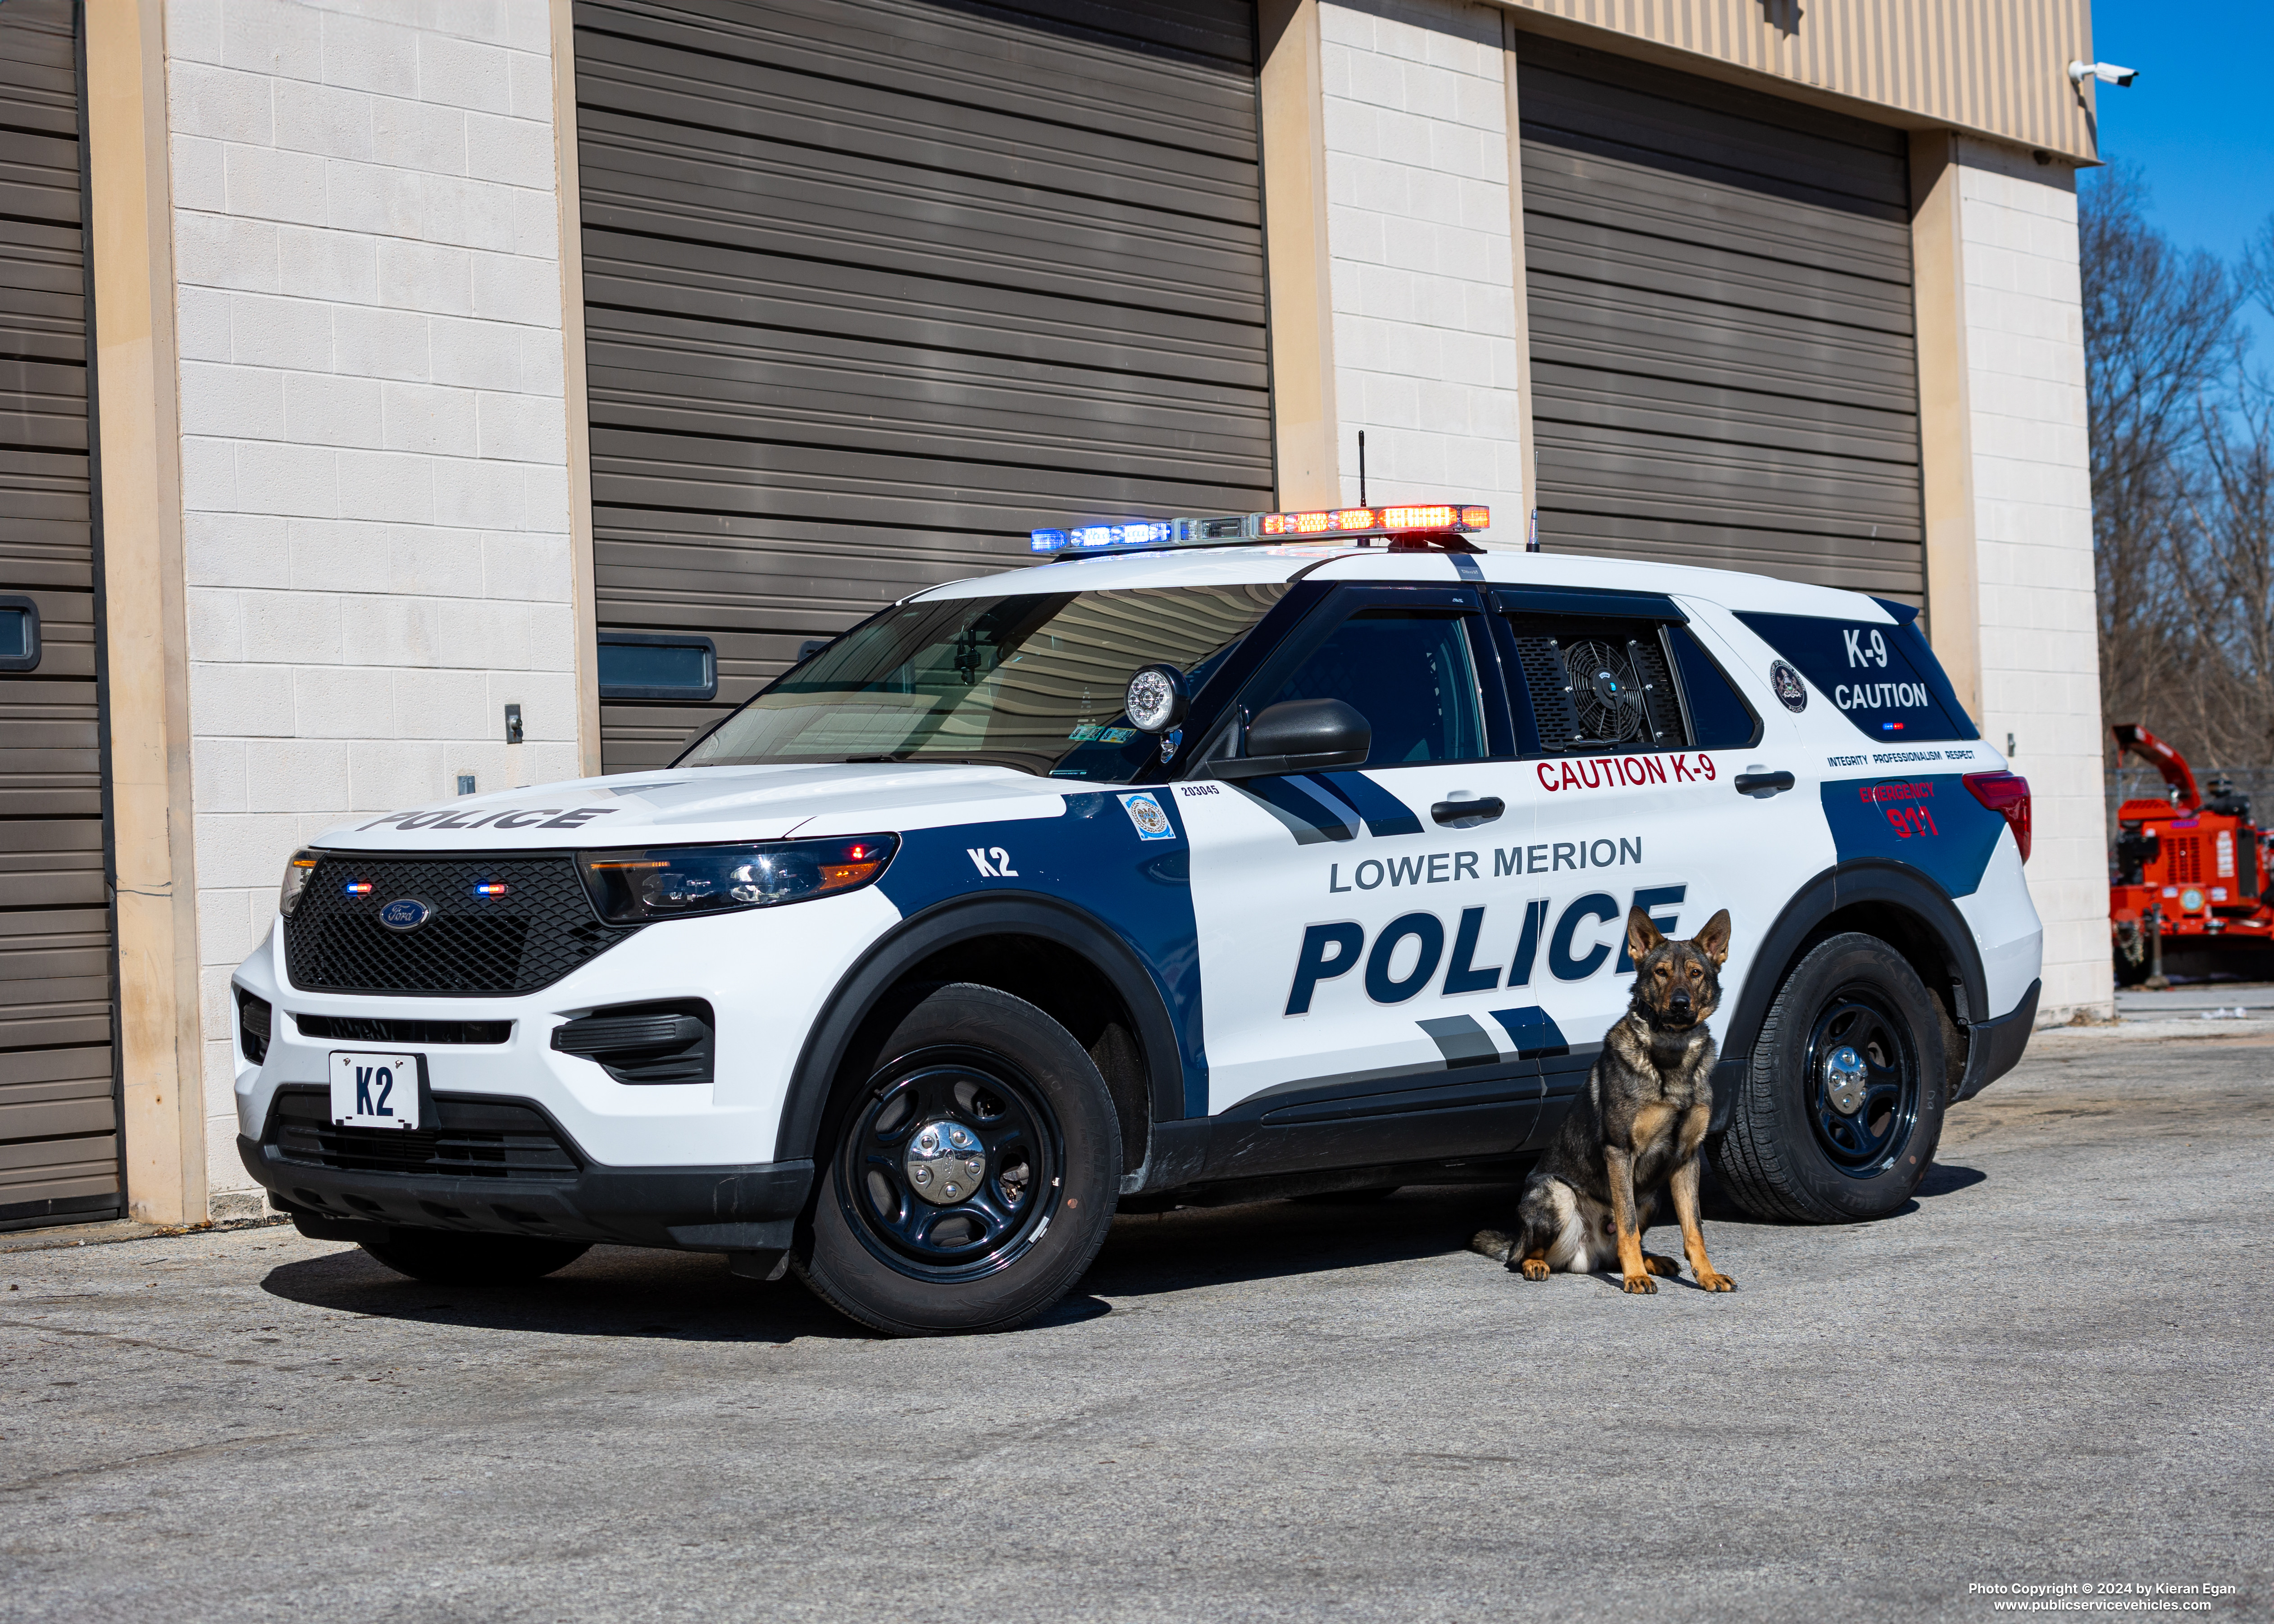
{"x": 375, "y": 1091}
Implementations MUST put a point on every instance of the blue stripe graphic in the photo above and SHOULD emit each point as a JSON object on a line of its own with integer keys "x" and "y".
{"x": 1534, "y": 1032}
{"x": 1384, "y": 812}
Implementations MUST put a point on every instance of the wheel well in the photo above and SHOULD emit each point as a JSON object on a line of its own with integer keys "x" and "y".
{"x": 1072, "y": 991}
{"x": 1922, "y": 949}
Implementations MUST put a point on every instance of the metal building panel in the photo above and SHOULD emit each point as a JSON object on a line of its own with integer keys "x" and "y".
{"x": 1724, "y": 364}
{"x": 58, "y": 1101}
{"x": 871, "y": 289}
{"x": 1994, "y": 67}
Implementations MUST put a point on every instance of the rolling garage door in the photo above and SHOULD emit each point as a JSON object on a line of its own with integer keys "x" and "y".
{"x": 874, "y": 287}
{"x": 1724, "y": 370}
{"x": 58, "y": 1112}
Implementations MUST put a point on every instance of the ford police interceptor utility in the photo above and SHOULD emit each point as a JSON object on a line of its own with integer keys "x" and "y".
{"x": 1213, "y": 859}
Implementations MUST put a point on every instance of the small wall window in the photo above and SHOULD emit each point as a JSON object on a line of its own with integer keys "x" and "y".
{"x": 20, "y": 633}
{"x": 651, "y": 666}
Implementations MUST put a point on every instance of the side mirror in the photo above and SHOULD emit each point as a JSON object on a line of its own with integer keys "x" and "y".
{"x": 1300, "y": 735}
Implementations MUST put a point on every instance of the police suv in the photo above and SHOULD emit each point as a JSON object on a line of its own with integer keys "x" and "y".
{"x": 1212, "y": 859}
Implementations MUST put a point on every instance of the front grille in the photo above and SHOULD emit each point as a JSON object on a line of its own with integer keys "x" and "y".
{"x": 542, "y": 926}
{"x": 471, "y": 1139}
{"x": 386, "y": 1029}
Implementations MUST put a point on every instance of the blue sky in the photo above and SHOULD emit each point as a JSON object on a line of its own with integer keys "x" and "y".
{"x": 2199, "y": 121}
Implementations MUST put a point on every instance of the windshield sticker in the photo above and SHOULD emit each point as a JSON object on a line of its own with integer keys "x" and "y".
{"x": 1092, "y": 732}
{"x": 1152, "y": 822}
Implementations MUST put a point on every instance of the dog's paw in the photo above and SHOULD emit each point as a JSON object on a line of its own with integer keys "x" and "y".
{"x": 1535, "y": 1268}
{"x": 1638, "y": 1284}
{"x": 1657, "y": 1265}
{"x": 1710, "y": 1279}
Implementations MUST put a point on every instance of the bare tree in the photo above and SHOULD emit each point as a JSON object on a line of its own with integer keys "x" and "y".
{"x": 2161, "y": 342}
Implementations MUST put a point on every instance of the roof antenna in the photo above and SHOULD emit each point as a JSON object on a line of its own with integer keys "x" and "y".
{"x": 1361, "y": 467}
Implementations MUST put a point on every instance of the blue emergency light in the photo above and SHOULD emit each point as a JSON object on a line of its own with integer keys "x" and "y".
{"x": 1323, "y": 524}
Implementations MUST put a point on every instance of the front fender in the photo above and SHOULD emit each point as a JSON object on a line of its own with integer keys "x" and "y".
{"x": 857, "y": 996}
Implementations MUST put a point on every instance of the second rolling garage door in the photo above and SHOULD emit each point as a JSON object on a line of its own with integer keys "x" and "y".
{"x": 1724, "y": 366}
{"x": 873, "y": 287}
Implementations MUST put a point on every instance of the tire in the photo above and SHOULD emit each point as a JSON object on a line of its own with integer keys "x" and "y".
{"x": 445, "y": 1258}
{"x": 1790, "y": 1153}
{"x": 974, "y": 1069}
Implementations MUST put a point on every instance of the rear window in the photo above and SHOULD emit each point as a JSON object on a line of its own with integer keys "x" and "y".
{"x": 1616, "y": 672}
{"x": 1884, "y": 679}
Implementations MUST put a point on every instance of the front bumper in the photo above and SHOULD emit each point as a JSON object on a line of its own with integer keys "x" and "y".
{"x": 565, "y": 1196}
{"x": 767, "y": 974}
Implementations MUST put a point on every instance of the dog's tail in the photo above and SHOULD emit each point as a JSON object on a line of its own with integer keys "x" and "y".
{"x": 1500, "y": 1248}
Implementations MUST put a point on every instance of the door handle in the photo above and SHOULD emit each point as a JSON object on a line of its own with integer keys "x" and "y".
{"x": 1483, "y": 810}
{"x": 1754, "y": 782}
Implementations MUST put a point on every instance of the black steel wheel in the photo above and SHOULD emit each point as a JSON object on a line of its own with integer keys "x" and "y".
{"x": 975, "y": 1160}
{"x": 945, "y": 1170}
{"x": 1837, "y": 1117}
{"x": 1863, "y": 1072}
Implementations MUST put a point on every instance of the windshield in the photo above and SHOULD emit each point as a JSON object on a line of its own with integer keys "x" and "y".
{"x": 1032, "y": 680}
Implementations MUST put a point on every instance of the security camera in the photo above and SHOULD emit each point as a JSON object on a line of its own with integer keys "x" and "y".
{"x": 2107, "y": 72}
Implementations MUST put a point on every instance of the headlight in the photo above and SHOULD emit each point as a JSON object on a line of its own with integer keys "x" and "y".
{"x": 295, "y": 881}
{"x": 676, "y": 881}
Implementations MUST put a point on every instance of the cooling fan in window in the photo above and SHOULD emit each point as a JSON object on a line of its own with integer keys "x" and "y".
{"x": 1606, "y": 693}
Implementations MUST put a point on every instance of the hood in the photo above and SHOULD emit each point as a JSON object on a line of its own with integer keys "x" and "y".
{"x": 696, "y": 804}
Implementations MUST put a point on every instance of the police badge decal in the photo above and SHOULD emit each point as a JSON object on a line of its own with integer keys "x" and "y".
{"x": 1788, "y": 687}
{"x": 1152, "y": 822}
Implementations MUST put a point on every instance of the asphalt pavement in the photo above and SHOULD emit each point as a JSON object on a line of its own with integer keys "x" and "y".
{"x": 2053, "y": 1370}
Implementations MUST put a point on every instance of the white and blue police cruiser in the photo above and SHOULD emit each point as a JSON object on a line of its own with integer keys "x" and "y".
{"x": 1214, "y": 860}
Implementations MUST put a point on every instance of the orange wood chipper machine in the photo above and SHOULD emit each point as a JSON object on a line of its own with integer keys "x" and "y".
{"x": 2185, "y": 887}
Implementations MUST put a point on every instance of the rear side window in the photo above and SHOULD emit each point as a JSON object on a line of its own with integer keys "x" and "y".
{"x": 1616, "y": 672}
{"x": 1719, "y": 719}
{"x": 1884, "y": 679}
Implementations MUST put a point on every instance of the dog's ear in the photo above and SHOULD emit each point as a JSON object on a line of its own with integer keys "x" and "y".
{"x": 1642, "y": 935}
{"x": 1713, "y": 941}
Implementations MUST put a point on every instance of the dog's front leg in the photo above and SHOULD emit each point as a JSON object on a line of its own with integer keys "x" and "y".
{"x": 1684, "y": 1187}
{"x": 1618, "y": 1162}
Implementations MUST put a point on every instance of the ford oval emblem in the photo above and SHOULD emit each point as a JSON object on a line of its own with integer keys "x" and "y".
{"x": 406, "y": 913}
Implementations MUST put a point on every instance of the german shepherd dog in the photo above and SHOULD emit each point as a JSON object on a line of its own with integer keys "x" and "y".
{"x": 1636, "y": 1129}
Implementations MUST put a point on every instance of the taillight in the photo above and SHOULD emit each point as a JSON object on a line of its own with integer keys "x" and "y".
{"x": 2007, "y": 794}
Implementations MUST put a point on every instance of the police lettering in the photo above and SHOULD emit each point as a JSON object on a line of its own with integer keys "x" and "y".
{"x": 1880, "y": 696}
{"x": 1628, "y": 771}
{"x": 1578, "y": 947}
{"x": 1443, "y": 867}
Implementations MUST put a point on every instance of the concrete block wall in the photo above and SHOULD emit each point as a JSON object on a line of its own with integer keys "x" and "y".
{"x": 1418, "y": 232}
{"x": 375, "y": 455}
{"x": 2033, "y": 530}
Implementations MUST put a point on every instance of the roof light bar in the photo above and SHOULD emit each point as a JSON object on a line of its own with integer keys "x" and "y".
{"x": 1334, "y": 523}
